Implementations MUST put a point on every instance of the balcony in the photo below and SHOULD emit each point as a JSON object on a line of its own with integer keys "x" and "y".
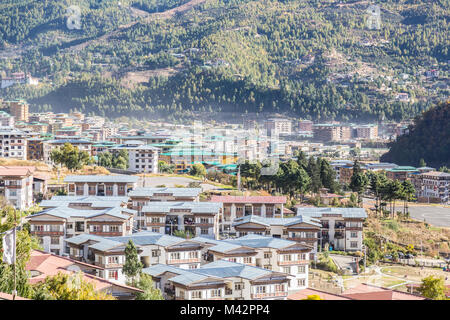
{"x": 339, "y": 226}
{"x": 339, "y": 235}
{"x": 178, "y": 261}
{"x": 293, "y": 262}
{"x": 269, "y": 295}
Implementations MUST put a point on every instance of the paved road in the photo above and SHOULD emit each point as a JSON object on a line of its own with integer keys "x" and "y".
{"x": 343, "y": 262}
{"x": 438, "y": 216}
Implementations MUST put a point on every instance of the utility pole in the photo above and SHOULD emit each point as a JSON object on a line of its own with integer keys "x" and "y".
{"x": 14, "y": 256}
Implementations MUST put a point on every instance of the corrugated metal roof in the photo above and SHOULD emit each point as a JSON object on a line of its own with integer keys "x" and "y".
{"x": 195, "y": 207}
{"x": 276, "y": 221}
{"x": 344, "y": 212}
{"x": 101, "y": 178}
{"x": 177, "y": 192}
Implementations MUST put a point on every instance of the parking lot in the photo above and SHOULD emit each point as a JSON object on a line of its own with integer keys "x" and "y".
{"x": 438, "y": 216}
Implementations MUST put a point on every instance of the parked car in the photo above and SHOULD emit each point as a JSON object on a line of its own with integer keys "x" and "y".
{"x": 388, "y": 257}
{"x": 401, "y": 255}
{"x": 409, "y": 256}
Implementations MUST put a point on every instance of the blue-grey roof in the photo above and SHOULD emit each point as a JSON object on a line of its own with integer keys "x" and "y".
{"x": 84, "y": 237}
{"x": 276, "y": 221}
{"x": 177, "y": 192}
{"x": 66, "y": 212}
{"x": 219, "y": 270}
{"x": 95, "y": 201}
{"x": 195, "y": 207}
{"x": 344, "y": 212}
{"x": 102, "y": 178}
{"x": 148, "y": 238}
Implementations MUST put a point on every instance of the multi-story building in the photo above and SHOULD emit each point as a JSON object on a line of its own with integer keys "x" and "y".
{"x": 16, "y": 186}
{"x": 302, "y": 229}
{"x": 13, "y": 144}
{"x": 153, "y": 248}
{"x": 305, "y": 125}
{"x": 278, "y": 125}
{"x": 141, "y": 158}
{"x": 81, "y": 144}
{"x": 18, "y": 109}
{"x": 368, "y": 131}
{"x": 42, "y": 265}
{"x": 433, "y": 186}
{"x": 53, "y": 225}
{"x": 140, "y": 197}
{"x": 342, "y": 228}
{"x": 197, "y": 218}
{"x": 35, "y": 149}
{"x": 270, "y": 253}
{"x": 239, "y": 206}
{"x": 100, "y": 185}
{"x": 85, "y": 202}
{"x": 400, "y": 173}
{"x": 331, "y": 132}
{"x": 220, "y": 280}
{"x": 6, "y": 120}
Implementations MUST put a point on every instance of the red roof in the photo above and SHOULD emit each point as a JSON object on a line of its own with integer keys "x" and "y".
{"x": 16, "y": 171}
{"x": 370, "y": 292}
{"x": 303, "y": 294}
{"x": 49, "y": 264}
{"x": 249, "y": 199}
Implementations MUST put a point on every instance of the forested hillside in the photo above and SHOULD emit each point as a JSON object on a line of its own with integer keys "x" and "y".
{"x": 175, "y": 58}
{"x": 428, "y": 139}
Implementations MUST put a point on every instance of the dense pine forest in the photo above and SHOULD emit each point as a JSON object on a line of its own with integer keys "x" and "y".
{"x": 428, "y": 139}
{"x": 178, "y": 58}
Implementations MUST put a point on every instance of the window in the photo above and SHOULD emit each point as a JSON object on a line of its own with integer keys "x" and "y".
{"x": 353, "y": 244}
{"x": 175, "y": 256}
{"x": 196, "y": 295}
{"x": 285, "y": 232}
{"x": 204, "y": 230}
{"x": 261, "y": 289}
{"x": 267, "y": 255}
{"x": 155, "y": 253}
{"x": 113, "y": 274}
{"x": 193, "y": 255}
{"x": 38, "y": 228}
{"x": 239, "y": 286}
{"x": 216, "y": 293}
{"x": 301, "y": 269}
{"x": 268, "y": 267}
{"x": 232, "y": 259}
{"x": 114, "y": 228}
{"x": 96, "y": 228}
{"x": 279, "y": 288}
{"x": 301, "y": 282}
{"x": 155, "y": 220}
{"x": 204, "y": 220}
{"x": 353, "y": 234}
{"x": 155, "y": 230}
{"x": 114, "y": 259}
{"x": 287, "y": 270}
{"x": 286, "y": 257}
{"x": 192, "y": 266}
{"x": 247, "y": 259}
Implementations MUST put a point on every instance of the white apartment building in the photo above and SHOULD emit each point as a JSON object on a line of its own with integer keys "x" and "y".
{"x": 49, "y": 145}
{"x": 54, "y": 225}
{"x": 6, "y": 120}
{"x": 342, "y": 228}
{"x": 219, "y": 280}
{"x": 16, "y": 186}
{"x": 13, "y": 143}
{"x": 434, "y": 186}
{"x": 278, "y": 125}
{"x": 141, "y": 158}
{"x": 153, "y": 248}
{"x": 266, "y": 252}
